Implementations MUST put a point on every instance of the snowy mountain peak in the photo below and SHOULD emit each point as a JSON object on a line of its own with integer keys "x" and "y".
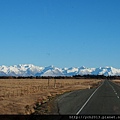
{"x": 32, "y": 70}
{"x": 51, "y": 67}
{"x": 82, "y": 67}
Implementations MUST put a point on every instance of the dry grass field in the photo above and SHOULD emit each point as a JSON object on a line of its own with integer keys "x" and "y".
{"x": 116, "y": 81}
{"x": 19, "y": 96}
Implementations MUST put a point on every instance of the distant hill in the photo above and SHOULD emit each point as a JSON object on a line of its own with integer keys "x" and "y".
{"x": 32, "y": 70}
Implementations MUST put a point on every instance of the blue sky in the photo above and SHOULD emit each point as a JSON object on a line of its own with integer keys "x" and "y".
{"x": 63, "y": 33}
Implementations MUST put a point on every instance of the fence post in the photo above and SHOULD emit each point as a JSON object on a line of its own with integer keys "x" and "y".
{"x": 54, "y": 83}
{"x": 13, "y": 93}
{"x": 27, "y": 90}
{"x": 48, "y": 82}
{"x": 17, "y": 93}
{"x": 61, "y": 85}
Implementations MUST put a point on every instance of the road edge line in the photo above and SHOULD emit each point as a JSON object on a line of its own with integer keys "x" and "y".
{"x": 88, "y": 99}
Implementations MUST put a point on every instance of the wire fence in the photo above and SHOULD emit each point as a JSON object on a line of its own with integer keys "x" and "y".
{"x": 17, "y": 88}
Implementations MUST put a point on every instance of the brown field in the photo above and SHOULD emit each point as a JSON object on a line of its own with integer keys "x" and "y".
{"x": 116, "y": 81}
{"x": 20, "y": 96}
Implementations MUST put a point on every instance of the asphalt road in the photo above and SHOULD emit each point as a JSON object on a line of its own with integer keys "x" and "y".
{"x": 102, "y": 100}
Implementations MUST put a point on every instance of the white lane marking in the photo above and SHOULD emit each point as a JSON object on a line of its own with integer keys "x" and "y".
{"x": 114, "y": 90}
{"x": 88, "y": 99}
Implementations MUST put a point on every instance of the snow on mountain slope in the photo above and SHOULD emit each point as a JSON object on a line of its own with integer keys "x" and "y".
{"x": 32, "y": 70}
{"x": 85, "y": 71}
{"x": 20, "y": 70}
{"x": 50, "y": 71}
{"x": 107, "y": 71}
{"x": 70, "y": 71}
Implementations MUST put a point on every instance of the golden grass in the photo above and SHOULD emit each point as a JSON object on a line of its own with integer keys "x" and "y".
{"x": 116, "y": 81}
{"x": 18, "y": 96}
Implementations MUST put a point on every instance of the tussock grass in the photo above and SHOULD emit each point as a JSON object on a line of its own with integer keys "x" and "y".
{"x": 19, "y": 96}
{"x": 116, "y": 81}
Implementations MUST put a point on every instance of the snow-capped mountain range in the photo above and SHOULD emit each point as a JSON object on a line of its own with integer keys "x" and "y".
{"x": 32, "y": 70}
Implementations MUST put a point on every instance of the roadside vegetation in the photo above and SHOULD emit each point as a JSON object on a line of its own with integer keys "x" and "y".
{"x": 30, "y": 95}
{"x": 26, "y": 96}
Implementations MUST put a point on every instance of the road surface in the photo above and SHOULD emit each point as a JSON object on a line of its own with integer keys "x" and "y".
{"x": 102, "y": 100}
